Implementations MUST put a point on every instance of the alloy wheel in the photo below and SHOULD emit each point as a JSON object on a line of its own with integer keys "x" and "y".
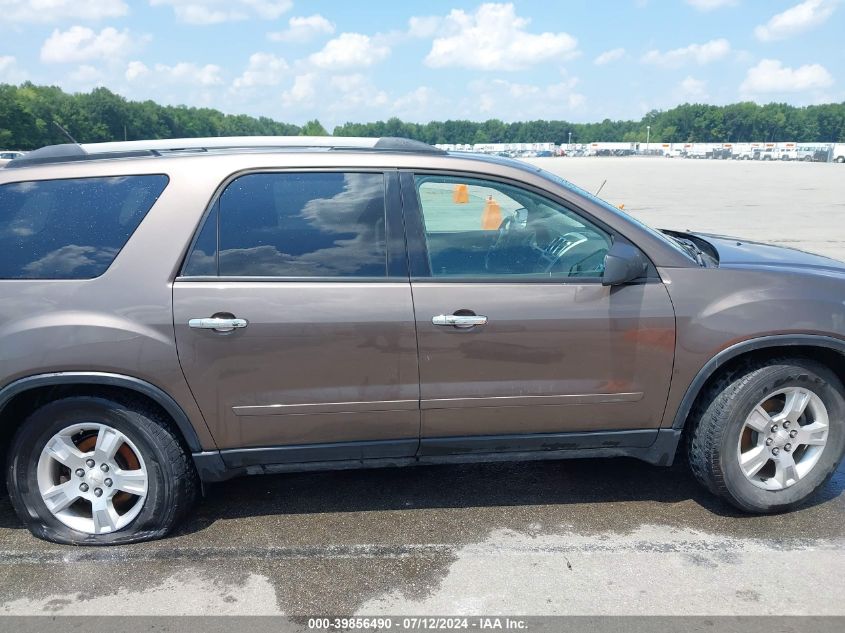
{"x": 92, "y": 478}
{"x": 783, "y": 438}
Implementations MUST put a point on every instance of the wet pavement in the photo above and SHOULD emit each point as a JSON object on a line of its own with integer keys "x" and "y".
{"x": 579, "y": 537}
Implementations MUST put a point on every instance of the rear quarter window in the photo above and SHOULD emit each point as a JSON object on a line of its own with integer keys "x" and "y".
{"x": 71, "y": 228}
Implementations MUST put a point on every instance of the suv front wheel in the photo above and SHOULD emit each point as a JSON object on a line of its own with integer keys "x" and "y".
{"x": 95, "y": 471}
{"x": 768, "y": 437}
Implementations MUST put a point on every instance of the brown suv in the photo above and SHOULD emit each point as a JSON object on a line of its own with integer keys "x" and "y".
{"x": 178, "y": 312}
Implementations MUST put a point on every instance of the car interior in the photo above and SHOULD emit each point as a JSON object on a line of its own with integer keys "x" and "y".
{"x": 536, "y": 237}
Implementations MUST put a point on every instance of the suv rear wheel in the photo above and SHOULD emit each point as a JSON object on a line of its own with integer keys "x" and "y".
{"x": 769, "y": 437}
{"x": 94, "y": 471}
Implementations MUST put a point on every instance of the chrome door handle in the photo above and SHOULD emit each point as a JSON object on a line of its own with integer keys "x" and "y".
{"x": 221, "y": 325}
{"x": 459, "y": 320}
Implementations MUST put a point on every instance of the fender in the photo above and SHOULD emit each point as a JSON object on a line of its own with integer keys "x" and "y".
{"x": 111, "y": 380}
{"x": 750, "y": 345}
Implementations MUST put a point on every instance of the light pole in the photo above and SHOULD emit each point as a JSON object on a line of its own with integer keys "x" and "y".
{"x": 569, "y": 144}
{"x": 647, "y": 137}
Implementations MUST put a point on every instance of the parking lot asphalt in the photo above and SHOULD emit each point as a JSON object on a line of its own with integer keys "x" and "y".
{"x": 586, "y": 537}
{"x": 795, "y": 204}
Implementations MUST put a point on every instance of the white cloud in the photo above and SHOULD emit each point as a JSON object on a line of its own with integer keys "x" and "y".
{"x": 86, "y": 77}
{"x": 203, "y": 15}
{"x": 418, "y": 101}
{"x": 181, "y": 82}
{"x": 692, "y": 88}
{"x": 10, "y": 72}
{"x": 771, "y": 76}
{"x": 264, "y": 69}
{"x": 356, "y": 90}
{"x": 506, "y": 99}
{"x": 203, "y": 12}
{"x": 189, "y": 73}
{"x": 339, "y": 97}
{"x": 7, "y": 62}
{"x": 302, "y": 91}
{"x": 21, "y": 11}
{"x": 348, "y": 83}
{"x": 302, "y": 29}
{"x": 425, "y": 26}
{"x": 697, "y": 53}
{"x": 182, "y": 73}
{"x": 350, "y": 50}
{"x": 607, "y": 57}
{"x": 710, "y": 5}
{"x": 351, "y": 96}
{"x": 494, "y": 38}
{"x": 136, "y": 69}
{"x": 267, "y": 9}
{"x": 79, "y": 43}
{"x": 802, "y": 17}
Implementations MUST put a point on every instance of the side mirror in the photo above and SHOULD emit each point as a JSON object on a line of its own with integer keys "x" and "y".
{"x": 623, "y": 263}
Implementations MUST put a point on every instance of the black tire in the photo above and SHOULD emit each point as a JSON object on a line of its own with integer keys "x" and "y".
{"x": 172, "y": 482}
{"x": 720, "y": 417}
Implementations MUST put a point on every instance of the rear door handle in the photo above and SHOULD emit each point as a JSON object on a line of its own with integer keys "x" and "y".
{"x": 459, "y": 320}
{"x": 220, "y": 325}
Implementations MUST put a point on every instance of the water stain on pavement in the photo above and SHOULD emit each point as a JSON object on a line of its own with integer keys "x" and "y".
{"x": 332, "y": 542}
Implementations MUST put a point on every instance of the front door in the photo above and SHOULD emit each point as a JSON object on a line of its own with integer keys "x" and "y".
{"x": 294, "y": 321}
{"x": 521, "y": 347}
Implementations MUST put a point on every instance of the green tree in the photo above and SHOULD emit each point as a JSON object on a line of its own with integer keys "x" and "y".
{"x": 313, "y": 128}
{"x": 28, "y": 111}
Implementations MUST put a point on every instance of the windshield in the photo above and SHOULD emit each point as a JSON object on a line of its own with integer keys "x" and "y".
{"x": 593, "y": 198}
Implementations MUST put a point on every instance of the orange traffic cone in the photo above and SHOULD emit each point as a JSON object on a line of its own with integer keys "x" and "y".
{"x": 491, "y": 219}
{"x": 460, "y": 194}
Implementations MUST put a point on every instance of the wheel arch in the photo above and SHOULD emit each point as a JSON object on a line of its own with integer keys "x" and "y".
{"x": 829, "y": 350}
{"x": 28, "y": 384}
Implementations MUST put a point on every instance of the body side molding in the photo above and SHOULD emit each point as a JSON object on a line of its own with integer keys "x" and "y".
{"x": 655, "y": 446}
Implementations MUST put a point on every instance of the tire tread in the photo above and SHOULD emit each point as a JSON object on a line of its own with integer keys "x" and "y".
{"x": 179, "y": 468}
{"x": 715, "y": 405}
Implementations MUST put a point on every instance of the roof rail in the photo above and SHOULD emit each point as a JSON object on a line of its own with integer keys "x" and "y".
{"x": 70, "y": 152}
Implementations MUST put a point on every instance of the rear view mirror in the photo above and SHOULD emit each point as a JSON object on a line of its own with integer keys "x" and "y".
{"x": 623, "y": 263}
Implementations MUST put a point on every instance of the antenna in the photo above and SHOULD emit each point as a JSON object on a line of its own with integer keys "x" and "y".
{"x": 603, "y": 183}
{"x": 65, "y": 132}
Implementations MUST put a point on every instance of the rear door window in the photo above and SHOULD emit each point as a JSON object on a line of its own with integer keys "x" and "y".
{"x": 294, "y": 225}
{"x": 71, "y": 228}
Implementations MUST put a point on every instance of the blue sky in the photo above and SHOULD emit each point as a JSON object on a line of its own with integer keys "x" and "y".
{"x": 293, "y": 60}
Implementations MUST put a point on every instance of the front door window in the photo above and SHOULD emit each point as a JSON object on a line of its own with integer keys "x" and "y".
{"x": 478, "y": 228}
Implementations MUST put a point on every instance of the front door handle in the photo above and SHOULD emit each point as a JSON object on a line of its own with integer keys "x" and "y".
{"x": 459, "y": 320}
{"x": 217, "y": 324}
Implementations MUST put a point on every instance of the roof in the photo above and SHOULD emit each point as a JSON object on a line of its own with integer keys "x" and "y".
{"x": 72, "y": 152}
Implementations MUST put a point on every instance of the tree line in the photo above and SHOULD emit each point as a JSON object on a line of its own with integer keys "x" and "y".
{"x": 27, "y": 113}
{"x": 735, "y": 123}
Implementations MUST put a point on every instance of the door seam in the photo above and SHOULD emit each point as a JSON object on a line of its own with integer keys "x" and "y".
{"x": 402, "y": 188}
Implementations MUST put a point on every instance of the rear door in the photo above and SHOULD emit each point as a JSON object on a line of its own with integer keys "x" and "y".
{"x": 294, "y": 320}
{"x": 521, "y": 347}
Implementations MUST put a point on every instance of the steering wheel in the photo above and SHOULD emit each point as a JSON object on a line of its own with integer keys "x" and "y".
{"x": 508, "y": 237}
{"x": 512, "y": 220}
